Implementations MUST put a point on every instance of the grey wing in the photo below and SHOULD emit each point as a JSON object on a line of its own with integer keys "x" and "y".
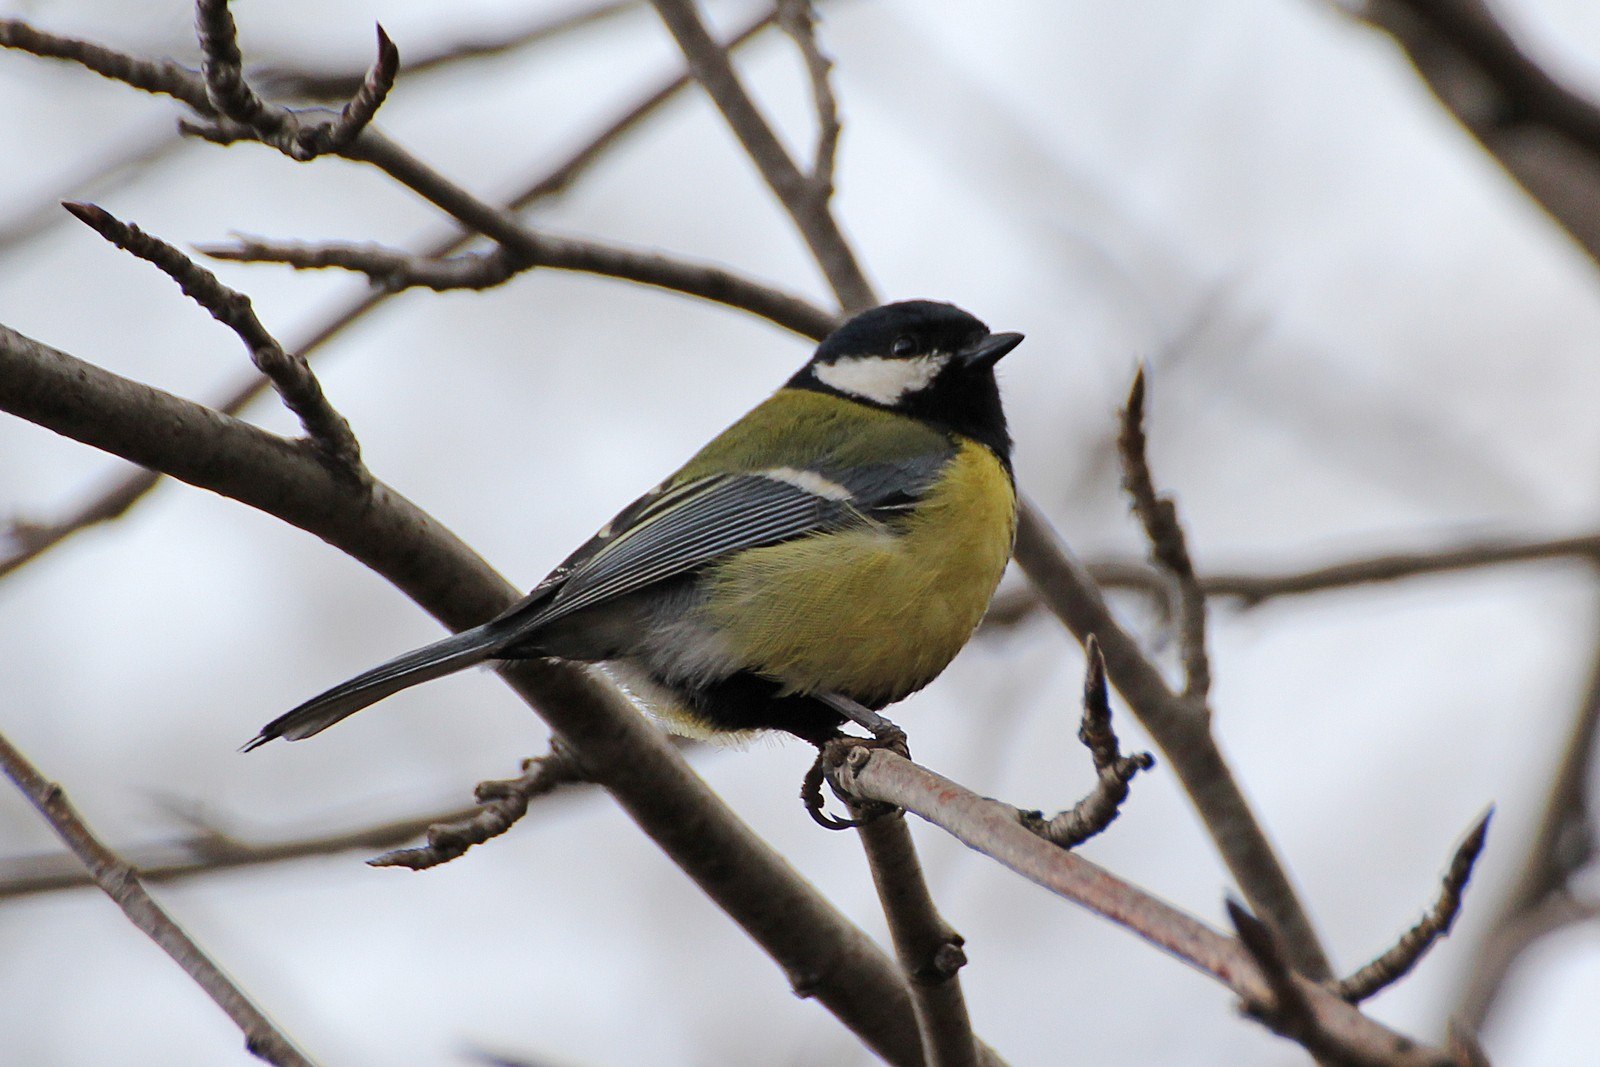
{"x": 682, "y": 528}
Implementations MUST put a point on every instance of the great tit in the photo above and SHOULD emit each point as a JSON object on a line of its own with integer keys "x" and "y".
{"x": 826, "y": 555}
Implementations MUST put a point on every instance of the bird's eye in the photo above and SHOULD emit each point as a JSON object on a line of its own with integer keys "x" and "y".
{"x": 903, "y": 346}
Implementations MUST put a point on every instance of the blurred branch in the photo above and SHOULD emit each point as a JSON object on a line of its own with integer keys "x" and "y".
{"x": 1541, "y": 899}
{"x": 25, "y": 541}
{"x": 291, "y": 375}
{"x": 321, "y": 86}
{"x": 806, "y": 200}
{"x": 264, "y": 1040}
{"x": 624, "y": 753}
{"x": 1113, "y": 770}
{"x": 1252, "y": 590}
{"x": 1398, "y": 960}
{"x": 1544, "y": 134}
{"x": 992, "y": 828}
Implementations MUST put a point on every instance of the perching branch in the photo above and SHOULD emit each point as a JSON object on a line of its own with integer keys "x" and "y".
{"x": 1398, "y": 960}
{"x": 1114, "y": 771}
{"x": 264, "y": 1040}
{"x": 992, "y": 828}
{"x": 290, "y": 375}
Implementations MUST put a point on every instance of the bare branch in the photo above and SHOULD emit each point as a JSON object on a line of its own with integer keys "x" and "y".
{"x": 709, "y": 62}
{"x": 390, "y": 268}
{"x": 1183, "y": 735}
{"x": 707, "y": 282}
{"x": 1398, "y": 960}
{"x": 290, "y": 374}
{"x": 500, "y": 804}
{"x": 234, "y": 100}
{"x": 1168, "y": 548}
{"x": 1099, "y": 809}
{"x": 929, "y": 950}
{"x": 117, "y": 880}
{"x": 31, "y": 539}
{"x": 992, "y": 828}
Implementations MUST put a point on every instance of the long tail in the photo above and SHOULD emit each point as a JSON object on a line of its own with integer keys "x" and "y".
{"x": 452, "y": 654}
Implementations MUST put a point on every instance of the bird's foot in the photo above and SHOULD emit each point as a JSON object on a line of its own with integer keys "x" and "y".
{"x": 833, "y": 753}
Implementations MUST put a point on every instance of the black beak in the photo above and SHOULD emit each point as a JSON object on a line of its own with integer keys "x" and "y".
{"x": 987, "y": 352}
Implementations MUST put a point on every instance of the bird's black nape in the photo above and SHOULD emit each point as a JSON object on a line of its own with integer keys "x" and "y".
{"x": 948, "y": 356}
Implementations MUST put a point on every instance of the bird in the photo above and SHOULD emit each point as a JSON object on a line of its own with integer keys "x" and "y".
{"x": 825, "y": 556}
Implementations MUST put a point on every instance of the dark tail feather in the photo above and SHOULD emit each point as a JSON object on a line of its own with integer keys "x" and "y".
{"x": 452, "y": 654}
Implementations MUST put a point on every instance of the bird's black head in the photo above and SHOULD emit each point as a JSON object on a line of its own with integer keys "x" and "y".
{"x": 928, "y": 360}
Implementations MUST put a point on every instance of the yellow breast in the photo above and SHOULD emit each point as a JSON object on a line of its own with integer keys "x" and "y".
{"x": 872, "y": 613}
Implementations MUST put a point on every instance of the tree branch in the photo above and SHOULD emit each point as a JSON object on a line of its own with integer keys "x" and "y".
{"x": 1095, "y": 812}
{"x": 32, "y": 539}
{"x": 928, "y": 948}
{"x": 992, "y": 828}
{"x": 290, "y": 374}
{"x": 1398, "y": 960}
{"x": 798, "y": 195}
{"x": 264, "y": 1040}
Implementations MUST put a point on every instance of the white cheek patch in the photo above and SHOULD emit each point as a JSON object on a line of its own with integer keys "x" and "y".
{"x": 880, "y": 380}
{"x": 810, "y": 481}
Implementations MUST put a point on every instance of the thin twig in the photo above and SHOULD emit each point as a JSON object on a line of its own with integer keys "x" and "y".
{"x": 929, "y": 950}
{"x": 1114, "y": 771}
{"x": 29, "y": 540}
{"x": 263, "y": 1039}
{"x": 1168, "y": 547}
{"x": 709, "y": 62}
{"x": 990, "y": 827}
{"x": 799, "y": 21}
{"x": 234, "y": 100}
{"x": 148, "y": 75}
{"x": 500, "y": 804}
{"x": 291, "y": 375}
{"x": 1398, "y": 960}
{"x": 391, "y": 268}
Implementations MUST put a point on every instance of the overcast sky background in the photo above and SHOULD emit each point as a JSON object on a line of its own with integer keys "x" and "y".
{"x": 1361, "y": 337}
